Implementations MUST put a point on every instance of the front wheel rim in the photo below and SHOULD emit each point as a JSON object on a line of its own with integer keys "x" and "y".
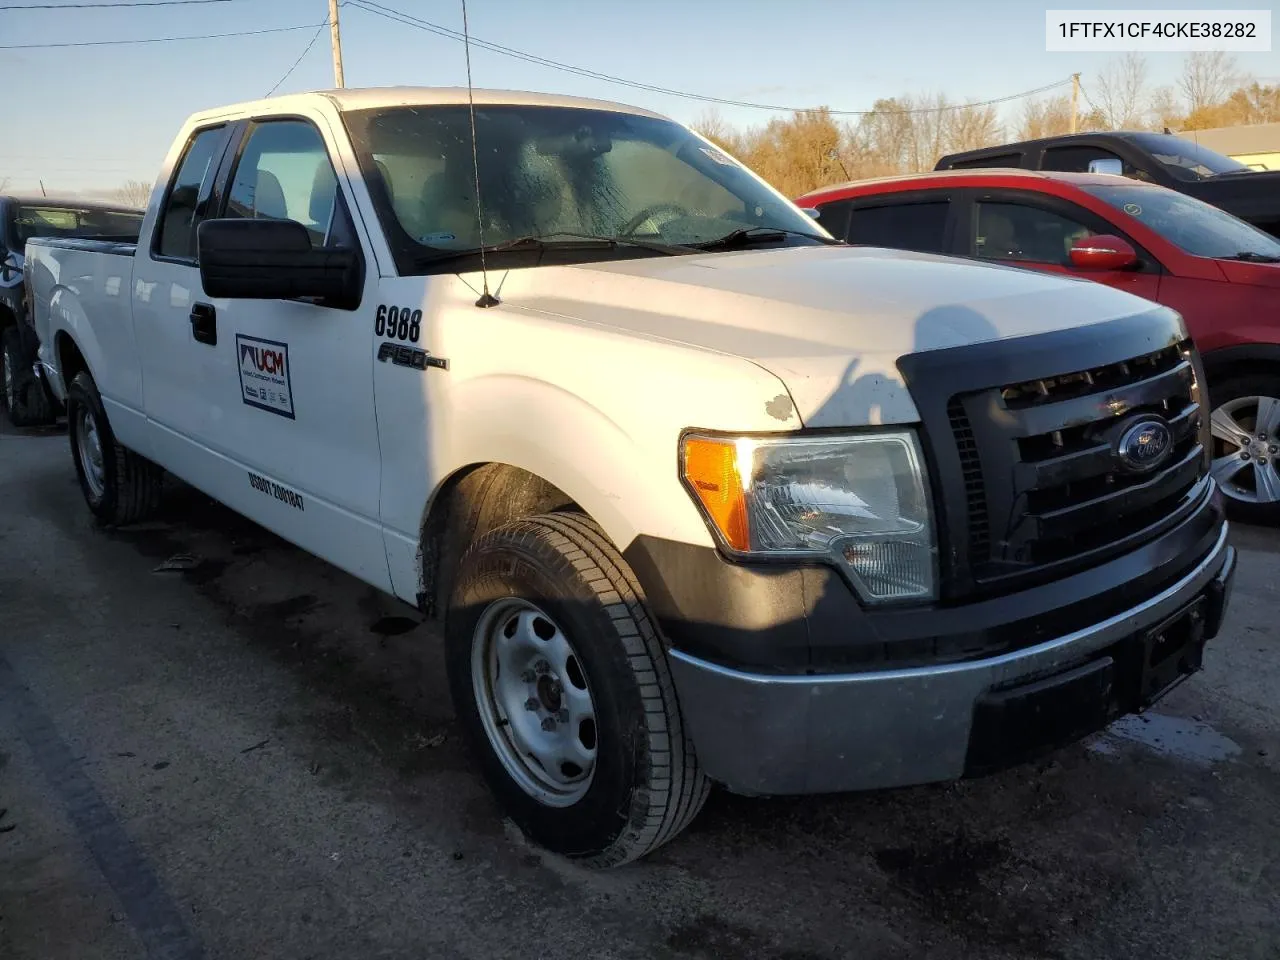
{"x": 1246, "y": 445}
{"x": 89, "y": 450}
{"x": 535, "y": 703}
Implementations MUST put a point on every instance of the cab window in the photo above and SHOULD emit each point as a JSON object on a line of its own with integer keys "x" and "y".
{"x": 284, "y": 173}
{"x": 178, "y": 220}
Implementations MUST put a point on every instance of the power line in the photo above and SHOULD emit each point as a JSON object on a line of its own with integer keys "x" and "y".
{"x": 400, "y": 17}
{"x": 104, "y": 6}
{"x": 108, "y": 43}
{"x": 287, "y": 73}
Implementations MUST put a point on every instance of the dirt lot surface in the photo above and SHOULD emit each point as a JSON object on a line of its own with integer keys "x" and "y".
{"x": 255, "y": 757}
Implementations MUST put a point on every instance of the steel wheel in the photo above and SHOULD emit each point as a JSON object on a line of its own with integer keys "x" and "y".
{"x": 89, "y": 448}
{"x": 534, "y": 702}
{"x": 1246, "y": 434}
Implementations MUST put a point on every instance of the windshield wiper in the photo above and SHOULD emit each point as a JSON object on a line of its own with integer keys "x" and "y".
{"x": 1250, "y": 257}
{"x": 761, "y": 234}
{"x": 554, "y": 241}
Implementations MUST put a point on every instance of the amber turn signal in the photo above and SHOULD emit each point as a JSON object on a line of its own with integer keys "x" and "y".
{"x": 711, "y": 469}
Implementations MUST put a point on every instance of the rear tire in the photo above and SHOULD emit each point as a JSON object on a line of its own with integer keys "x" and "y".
{"x": 119, "y": 486}
{"x": 21, "y": 393}
{"x": 585, "y": 686}
{"x": 1246, "y": 446}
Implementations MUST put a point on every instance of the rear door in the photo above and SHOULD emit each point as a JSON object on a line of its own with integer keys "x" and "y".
{"x": 176, "y": 367}
{"x": 1034, "y": 230}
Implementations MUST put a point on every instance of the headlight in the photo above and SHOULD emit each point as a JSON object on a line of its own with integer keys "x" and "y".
{"x": 858, "y": 501}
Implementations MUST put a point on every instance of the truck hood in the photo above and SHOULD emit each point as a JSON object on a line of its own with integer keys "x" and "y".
{"x": 829, "y": 322}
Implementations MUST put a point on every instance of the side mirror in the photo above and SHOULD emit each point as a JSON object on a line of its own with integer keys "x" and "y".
{"x": 250, "y": 259}
{"x": 815, "y": 214}
{"x": 1108, "y": 165}
{"x": 1103, "y": 252}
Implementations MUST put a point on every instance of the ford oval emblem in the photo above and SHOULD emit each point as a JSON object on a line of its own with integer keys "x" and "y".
{"x": 1144, "y": 445}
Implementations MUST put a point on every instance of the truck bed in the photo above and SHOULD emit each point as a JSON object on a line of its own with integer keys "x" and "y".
{"x": 88, "y": 285}
{"x": 115, "y": 246}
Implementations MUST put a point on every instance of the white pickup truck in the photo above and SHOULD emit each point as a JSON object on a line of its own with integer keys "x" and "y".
{"x": 700, "y": 495}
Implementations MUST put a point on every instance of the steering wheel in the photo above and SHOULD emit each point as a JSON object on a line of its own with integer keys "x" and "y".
{"x": 648, "y": 213}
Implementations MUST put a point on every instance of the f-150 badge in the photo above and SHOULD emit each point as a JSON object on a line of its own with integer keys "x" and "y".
{"x": 403, "y": 356}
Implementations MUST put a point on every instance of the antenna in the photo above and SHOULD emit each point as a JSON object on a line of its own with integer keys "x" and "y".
{"x": 486, "y": 298}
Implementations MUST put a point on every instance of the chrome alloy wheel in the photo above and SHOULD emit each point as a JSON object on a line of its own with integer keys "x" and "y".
{"x": 1246, "y": 447}
{"x": 534, "y": 702}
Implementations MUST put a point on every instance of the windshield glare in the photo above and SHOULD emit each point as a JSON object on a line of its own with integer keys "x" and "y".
{"x": 82, "y": 222}
{"x": 546, "y": 171}
{"x": 1196, "y": 227}
{"x": 1186, "y": 159}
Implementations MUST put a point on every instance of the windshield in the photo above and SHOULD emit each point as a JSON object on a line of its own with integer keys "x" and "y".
{"x": 1185, "y": 159}
{"x": 84, "y": 222}
{"x": 1196, "y": 227}
{"x": 553, "y": 171}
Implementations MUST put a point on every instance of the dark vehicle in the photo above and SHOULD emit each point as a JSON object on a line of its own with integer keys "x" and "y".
{"x": 25, "y": 396}
{"x": 1159, "y": 158}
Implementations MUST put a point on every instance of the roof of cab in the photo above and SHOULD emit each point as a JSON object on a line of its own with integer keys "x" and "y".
{"x": 361, "y": 98}
{"x": 854, "y": 187}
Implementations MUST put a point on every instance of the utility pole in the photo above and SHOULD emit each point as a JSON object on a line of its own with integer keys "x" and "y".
{"x": 335, "y": 38}
{"x": 1075, "y": 98}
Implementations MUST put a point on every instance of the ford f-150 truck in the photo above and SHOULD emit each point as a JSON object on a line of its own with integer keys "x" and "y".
{"x": 700, "y": 494}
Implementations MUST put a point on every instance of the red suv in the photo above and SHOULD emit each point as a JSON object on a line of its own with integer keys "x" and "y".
{"x": 1220, "y": 273}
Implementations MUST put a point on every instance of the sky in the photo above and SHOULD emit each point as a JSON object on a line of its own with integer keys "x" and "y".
{"x": 92, "y": 117}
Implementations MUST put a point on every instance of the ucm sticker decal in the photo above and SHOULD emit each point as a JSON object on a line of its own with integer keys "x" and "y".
{"x": 265, "y": 377}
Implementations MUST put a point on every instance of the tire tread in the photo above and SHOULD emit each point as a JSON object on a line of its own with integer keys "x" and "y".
{"x": 675, "y": 788}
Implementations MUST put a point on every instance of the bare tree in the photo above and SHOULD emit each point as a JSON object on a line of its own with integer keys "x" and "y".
{"x": 971, "y": 127}
{"x": 1208, "y": 78}
{"x": 1166, "y": 110}
{"x": 1120, "y": 92}
{"x": 1051, "y": 117}
{"x": 1256, "y": 103}
{"x": 133, "y": 193}
{"x": 797, "y": 154}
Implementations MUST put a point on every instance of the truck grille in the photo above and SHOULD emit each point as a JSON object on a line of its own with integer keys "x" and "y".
{"x": 1044, "y": 487}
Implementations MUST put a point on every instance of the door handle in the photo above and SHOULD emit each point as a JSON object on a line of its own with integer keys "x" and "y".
{"x": 204, "y": 323}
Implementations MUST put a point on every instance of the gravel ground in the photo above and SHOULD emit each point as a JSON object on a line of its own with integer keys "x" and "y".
{"x": 256, "y": 758}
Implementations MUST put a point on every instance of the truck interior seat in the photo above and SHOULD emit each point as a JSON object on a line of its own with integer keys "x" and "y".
{"x": 268, "y": 197}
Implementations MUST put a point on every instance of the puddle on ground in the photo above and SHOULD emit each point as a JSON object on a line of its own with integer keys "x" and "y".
{"x": 1192, "y": 740}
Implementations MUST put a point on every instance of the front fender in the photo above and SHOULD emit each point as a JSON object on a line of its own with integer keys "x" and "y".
{"x": 628, "y": 484}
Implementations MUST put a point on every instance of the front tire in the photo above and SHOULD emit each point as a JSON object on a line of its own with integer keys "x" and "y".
{"x": 560, "y": 681}
{"x": 1246, "y": 446}
{"x": 119, "y": 486}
